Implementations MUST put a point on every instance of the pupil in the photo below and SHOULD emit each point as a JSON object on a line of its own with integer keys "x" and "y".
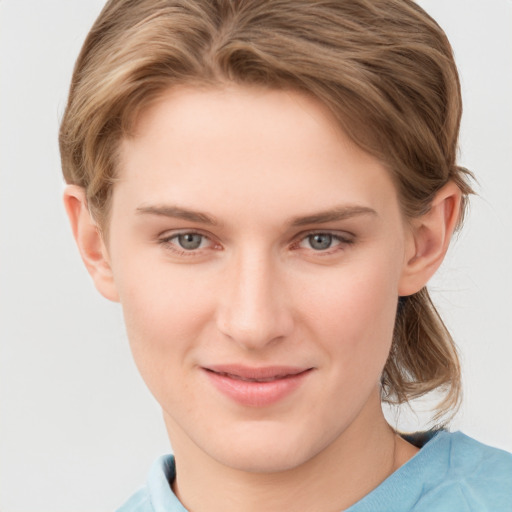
{"x": 320, "y": 241}
{"x": 190, "y": 241}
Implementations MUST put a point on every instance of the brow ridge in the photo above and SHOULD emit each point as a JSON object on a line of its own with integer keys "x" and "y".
{"x": 178, "y": 212}
{"x": 333, "y": 215}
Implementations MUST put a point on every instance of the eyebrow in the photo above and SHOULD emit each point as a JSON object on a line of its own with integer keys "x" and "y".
{"x": 331, "y": 215}
{"x": 177, "y": 212}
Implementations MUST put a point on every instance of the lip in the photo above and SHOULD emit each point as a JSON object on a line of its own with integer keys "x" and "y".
{"x": 256, "y": 387}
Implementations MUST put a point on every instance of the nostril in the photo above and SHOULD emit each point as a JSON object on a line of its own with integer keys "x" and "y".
{"x": 252, "y": 311}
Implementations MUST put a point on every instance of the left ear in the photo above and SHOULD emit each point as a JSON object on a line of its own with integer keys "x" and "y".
{"x": 430, "y": 238}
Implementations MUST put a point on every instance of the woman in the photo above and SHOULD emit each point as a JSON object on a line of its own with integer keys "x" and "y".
{"x": 266, "y": 188}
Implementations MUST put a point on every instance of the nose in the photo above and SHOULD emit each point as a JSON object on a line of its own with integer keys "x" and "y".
{"x": 254, "y": 310}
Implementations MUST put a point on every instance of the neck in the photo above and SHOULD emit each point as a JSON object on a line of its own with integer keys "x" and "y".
{"x": 363, "y": 456}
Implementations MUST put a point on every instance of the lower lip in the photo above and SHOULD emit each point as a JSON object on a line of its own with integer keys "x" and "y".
{"x": 257, "y": 394}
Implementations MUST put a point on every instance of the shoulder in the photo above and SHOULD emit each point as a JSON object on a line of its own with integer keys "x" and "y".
{"x": 482, "y": 474}
{"x": 157, "y": 494}
{"x": 469, "y": 455}
{"x": 138, "y": 502}
{"x": 451, "y": 472}
{"x": 460, "y": 472}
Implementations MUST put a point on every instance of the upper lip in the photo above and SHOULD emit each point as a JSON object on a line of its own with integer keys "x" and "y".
{"x": 257, "y": 373}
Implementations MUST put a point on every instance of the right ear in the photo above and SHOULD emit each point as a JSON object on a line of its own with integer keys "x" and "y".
{"x": 89, "y": 241}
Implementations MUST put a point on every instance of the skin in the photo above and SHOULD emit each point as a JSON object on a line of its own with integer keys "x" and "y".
{"x": 259, "y": 168}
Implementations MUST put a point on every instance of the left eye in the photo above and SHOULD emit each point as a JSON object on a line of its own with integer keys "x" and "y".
{"x": 320, "y": 241}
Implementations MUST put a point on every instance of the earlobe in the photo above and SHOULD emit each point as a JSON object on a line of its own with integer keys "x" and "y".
{"x": 430, "y": 238}
{"x": 89, "y": 241}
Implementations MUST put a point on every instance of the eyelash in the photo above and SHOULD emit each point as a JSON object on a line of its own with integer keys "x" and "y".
{"x": 343, "y": 241}
{"x": 175, "y": 248}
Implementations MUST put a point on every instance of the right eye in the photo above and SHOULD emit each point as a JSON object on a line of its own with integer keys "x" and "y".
{"x": 189, "y": 241}
{"x": 186, "y": 243}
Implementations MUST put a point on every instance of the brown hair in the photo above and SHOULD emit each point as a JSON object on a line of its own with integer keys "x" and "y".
{"x": 383, "y": 67}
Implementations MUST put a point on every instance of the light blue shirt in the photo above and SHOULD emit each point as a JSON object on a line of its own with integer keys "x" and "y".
{"x": 451, "y": 473}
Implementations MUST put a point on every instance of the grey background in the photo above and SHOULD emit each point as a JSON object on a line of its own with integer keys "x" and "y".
{"x": 78, "y": 430}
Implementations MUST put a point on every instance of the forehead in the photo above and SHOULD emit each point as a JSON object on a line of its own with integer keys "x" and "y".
{"x": 248, "y": 148}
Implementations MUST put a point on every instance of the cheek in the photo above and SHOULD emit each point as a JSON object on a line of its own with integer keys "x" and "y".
{"x": 354, "y": 315}
{"x": 165, "y": 311}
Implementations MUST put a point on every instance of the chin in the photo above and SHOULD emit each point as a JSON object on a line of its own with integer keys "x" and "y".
{"x": 267, "y": 451}
{"x": 263, "y": 461}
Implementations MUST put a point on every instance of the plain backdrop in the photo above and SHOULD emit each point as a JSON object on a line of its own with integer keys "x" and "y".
{"x": 78, "y": 429}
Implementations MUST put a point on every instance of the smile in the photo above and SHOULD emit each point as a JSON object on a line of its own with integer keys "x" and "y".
{"x": 247, "y": 379}
{"x": 256, "y": 387}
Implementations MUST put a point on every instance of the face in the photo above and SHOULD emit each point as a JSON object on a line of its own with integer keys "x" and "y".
{"x": 258, "y": 255}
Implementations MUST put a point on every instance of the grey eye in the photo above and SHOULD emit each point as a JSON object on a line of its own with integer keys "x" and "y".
{"x": 190, "y": 241}
{"x": 320, "y": 241}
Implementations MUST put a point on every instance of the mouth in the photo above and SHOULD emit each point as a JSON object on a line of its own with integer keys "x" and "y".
{"x": 254, "y": 379}
{"x": 257, "y": 387}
